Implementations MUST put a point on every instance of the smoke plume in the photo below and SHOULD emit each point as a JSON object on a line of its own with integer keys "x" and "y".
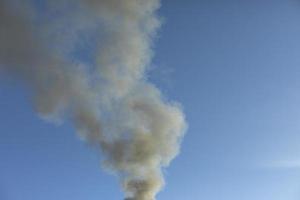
{"x": 107, "y": 95}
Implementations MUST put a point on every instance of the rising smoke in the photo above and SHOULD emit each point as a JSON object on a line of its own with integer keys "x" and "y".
{"x": 108, "y": 99}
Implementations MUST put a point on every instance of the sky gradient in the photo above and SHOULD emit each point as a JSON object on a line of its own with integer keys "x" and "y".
{"x": 233, "y": 66}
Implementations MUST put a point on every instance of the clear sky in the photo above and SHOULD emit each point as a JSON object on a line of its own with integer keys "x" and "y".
{"x": 235, "y": 68}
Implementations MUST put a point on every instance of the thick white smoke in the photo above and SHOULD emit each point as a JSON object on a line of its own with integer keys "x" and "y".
{"x": 109, "y": 100}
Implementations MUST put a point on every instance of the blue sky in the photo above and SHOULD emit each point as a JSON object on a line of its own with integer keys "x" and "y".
{"x": 233, "y": 65}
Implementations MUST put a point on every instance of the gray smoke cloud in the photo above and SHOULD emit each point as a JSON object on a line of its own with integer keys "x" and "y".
{"x": 109, "y": 99}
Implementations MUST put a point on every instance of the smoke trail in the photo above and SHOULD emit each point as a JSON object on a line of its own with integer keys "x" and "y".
{"x": 108, "y": 99}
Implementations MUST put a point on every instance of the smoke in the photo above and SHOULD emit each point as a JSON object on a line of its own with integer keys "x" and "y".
{"x": 108, "y": 97}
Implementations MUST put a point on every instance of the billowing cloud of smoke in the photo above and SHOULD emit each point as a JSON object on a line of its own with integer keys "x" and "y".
{"x": 108, "y": 99}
